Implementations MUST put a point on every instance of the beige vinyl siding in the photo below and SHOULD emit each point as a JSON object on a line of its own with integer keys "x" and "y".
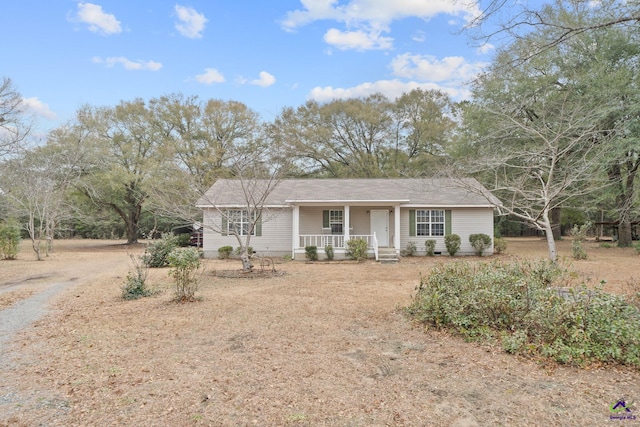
{"x": 464, "y": 221}
{"x": 274, "y": 241}
{"x": 469, "y": 221}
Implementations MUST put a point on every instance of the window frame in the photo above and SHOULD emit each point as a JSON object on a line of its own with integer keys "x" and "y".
{"x": 432, "y": 221}
{"x": 242, "y": 226}
{"x": 334, "y": 222}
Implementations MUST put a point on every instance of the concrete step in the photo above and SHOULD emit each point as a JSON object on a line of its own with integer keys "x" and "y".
{"x": 387, "y": 255}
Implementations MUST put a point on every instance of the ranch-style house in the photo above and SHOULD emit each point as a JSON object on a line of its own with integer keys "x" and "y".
{"x": 387, "y": 213}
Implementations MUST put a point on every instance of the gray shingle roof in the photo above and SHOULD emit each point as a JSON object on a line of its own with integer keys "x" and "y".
{"x": 427, "y": 192}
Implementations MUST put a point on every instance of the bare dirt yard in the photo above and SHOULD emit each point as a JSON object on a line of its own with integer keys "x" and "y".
{"x": 320, "y": 344}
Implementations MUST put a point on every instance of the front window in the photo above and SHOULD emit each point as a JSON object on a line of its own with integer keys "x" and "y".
{"x": 335, "y": 222}
{"x": 429, "y": 223}
{"x": 238, "y": 223}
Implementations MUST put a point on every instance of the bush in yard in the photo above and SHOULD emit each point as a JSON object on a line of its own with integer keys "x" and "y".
{"x": 185, "y": 266}
{"x": 499, "y": 245}
{"x": 9, "y": 240}
{"x": 184, "y": 240}
{"x": 224, "y": 252}
{"x": 357, "y": 249}
{"x": 311, "y": 252}
{"x": 430, "y": 246}
{"x": 579, "y": 233}
{"x": 156, "y": 255}
{"x": 479, "y": 242}
{"x": 410, "y": 250}
{"x": 328, "y": 250}
{"x": 452, "y": 242}
{"x": 513, "y": 304}
{"x": 135, "y": 285}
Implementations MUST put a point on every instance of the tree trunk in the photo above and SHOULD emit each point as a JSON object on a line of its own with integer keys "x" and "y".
{"x": 624, "y": 233}
{"x": 551, "y": 242}
{"x": 556, "y": 213}
{"x": 246, "y": 262}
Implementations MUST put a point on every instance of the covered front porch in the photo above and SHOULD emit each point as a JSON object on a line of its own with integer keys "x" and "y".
{"x": 321, "y": 225}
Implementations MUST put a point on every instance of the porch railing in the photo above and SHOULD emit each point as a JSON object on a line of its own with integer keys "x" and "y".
{"x": 335, "y": 240}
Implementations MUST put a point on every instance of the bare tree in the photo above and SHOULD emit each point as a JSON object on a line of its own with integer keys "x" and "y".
{"x": 537, "y": 165}
{"x": 257, "y": 171}
{"x": 510, "y": 20}
{"x": 14, "y": 127}
{"x": 35, "y": 184}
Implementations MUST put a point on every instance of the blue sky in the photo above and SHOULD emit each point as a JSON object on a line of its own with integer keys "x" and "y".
{"x": 61, "y": 54}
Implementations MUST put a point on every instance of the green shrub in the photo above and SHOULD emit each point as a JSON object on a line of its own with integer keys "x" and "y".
{"x": 9, "y": 240}
{"x": 135, "y": 285}
{"x": 452, "y": 242}
{"x": 514, "y": 305}
{"x": 637, "y": 247}
{"x": 605, "y": 245}
{"x": 328, "y": 250}
{"x": 479, "y": 242}
{"x": 156, "y": 255}
{"x": 357, "y": 249}
{"x": 224, "y": 252}
{"x": 410, "y": 250}
{"x": 311, "y": 252}
{"x": 499, "y": 245}
{"x": 430, "y": 246}
{"x": 185, "y": 264}
{"x": 184, "y": 240}
{"x": 579, "y": 234}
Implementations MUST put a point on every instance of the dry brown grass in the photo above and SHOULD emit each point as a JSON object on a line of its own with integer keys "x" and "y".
{"x": 322, "y": 344}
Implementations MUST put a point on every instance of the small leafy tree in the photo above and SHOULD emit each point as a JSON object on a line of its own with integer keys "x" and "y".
{"x": 430, "y": 246}
{"x": 479, "y": 242}
{"x": 135, "y": 285}
{"x": 579, "y": 233}
{"x": 9, "y": 240}
{"x": 157, "y": 254}
{"x": 357, "y": 249}
{"x": 452, "y": 242}
{"x": 499, "y": 245}
{"x": 185, "y": 265}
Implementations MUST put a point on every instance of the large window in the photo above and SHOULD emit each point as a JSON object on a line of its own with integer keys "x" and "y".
{"x": 429, "y": 223}
{"x": 335, "y": 222}
{"x": 238, "y": 222}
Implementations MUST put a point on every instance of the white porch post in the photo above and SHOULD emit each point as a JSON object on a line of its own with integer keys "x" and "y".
{"x": 346, "y": 224}
{"x": 296, "y": 230}
{"x": 396, "y": 229}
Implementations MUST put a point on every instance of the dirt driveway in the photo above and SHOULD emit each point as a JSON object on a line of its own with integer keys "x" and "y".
{"x": 322, "y": 344}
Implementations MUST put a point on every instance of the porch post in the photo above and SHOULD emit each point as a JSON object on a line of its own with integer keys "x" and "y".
{"x": 295, "y": 232}
{"x": 396, "y": 229}
{"x": 346, "y": 224}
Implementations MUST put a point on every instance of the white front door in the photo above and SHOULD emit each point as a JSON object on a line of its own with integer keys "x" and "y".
{"x": 380, "y": 226}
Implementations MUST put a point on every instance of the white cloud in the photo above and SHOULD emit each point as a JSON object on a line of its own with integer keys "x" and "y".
{"x": 429, "y": 68}
{"x": 358, "y": 40}
{"x": 97, "y": 20}
{"x": 127, "y": 63}
{"x": 210, "y": 76}
{"x": 265, "y": 80}
{"x": 390, "y": 88}
{"x": 191, "y": 23}
{"x": 485, "y": 48}
{"x": 365, "y": 20}
{"x": 376, "y": 11}
{"x": 38, "y": 108}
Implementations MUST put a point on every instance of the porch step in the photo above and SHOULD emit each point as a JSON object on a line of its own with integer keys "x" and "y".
{"x": 387, "y": 255}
